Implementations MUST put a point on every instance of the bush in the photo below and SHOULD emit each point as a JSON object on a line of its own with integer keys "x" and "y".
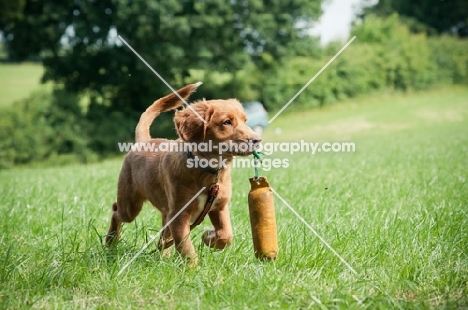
{"x": 384, "y": 55}
{"x": 451, "y": 58}
{"x": 406, "y": 57}
{"x": 42, "y": 127}
{"x": 24, "y": 133}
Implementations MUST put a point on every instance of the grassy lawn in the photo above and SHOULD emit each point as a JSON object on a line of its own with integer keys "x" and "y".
{"x": 395, "y": 210}
{"x": 18, "y": 80}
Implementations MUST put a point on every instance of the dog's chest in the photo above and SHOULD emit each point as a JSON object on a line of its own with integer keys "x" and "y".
{"x": 201, "y": 200}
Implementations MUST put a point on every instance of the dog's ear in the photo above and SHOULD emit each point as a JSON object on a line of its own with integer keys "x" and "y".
{"x": 188, "y": 121}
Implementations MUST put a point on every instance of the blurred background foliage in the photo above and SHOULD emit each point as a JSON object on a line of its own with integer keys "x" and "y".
{"x": 251, "y": 50}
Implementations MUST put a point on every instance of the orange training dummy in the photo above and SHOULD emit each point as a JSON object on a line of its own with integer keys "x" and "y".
{"x": 262, "y": 219}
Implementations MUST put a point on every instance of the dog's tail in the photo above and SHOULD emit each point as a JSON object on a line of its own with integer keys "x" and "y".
{"x": 170, "y": 102}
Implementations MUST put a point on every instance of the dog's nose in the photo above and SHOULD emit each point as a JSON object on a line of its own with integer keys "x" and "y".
{"x": 255, "y": 139}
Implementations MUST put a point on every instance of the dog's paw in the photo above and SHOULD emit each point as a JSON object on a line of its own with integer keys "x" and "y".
{"x": 192, "y": 261}
{"x": 111, "y": 240}
{"x": 210, "y": 239}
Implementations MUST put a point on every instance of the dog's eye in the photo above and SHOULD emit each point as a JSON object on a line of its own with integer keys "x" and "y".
{"x": 227, "y": 122}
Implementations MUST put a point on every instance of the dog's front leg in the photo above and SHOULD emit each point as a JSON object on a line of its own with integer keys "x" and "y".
{"x": 180, "y": 230}
{"x": 221, "y": 236}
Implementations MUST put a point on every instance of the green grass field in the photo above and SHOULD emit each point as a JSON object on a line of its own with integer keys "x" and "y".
{"x": 396, "y": 210}
{"x": 18, "y": 80}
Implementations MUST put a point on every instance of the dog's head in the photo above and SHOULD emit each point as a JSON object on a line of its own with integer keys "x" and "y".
{"x": 224, "y": 123}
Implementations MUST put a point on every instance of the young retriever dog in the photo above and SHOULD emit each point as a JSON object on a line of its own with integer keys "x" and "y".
{"x": 165, "y": 179}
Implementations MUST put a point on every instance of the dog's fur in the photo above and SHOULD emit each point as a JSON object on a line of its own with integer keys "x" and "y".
{"x": 164, "y": 179}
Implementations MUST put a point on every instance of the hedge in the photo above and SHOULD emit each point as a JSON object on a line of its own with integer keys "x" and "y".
{"x": 384, "y": 55}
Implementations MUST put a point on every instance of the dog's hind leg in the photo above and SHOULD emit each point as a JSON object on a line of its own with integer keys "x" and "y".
{"x": 123, "y": 211}
{"x": 115, "y": 227}
{"x": 165, "y": 235}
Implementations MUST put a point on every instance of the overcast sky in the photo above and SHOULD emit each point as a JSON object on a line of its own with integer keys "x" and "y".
{"x": 335, "y": 23}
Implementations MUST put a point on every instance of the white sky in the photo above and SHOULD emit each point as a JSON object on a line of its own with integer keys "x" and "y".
{"x": 335, "y": 22}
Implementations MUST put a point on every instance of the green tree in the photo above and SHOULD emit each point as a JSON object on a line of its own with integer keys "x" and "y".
{"x": 432, "y": 16}
{"x": 183, "y": 40}
{"x": 10, "y": 9}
